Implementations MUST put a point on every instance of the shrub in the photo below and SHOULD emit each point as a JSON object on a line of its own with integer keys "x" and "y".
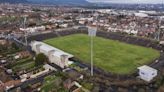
{"x": 40, "y": 59}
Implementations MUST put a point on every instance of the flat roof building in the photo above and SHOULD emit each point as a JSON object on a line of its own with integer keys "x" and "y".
{"x": 147, "y": 73}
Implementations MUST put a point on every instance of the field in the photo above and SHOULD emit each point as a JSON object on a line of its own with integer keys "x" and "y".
{"x": 109, "y": 55}
{"x": 23, "y": 64}
{"x": 52, "y": 84}
{"x": 48, "y": 84}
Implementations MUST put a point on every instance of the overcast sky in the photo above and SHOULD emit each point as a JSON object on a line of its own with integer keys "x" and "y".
{"x": 130, "y": 1}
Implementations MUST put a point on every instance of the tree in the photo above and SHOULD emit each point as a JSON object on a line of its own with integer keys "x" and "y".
{"x": 96, "y": 88}
{"x": 57, "y": 82}
{"x": 40, "y": 59}
{"x": 15, "y": 46}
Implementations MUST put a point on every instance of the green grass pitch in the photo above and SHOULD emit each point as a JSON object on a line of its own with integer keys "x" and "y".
{"x": 109, "y": 55}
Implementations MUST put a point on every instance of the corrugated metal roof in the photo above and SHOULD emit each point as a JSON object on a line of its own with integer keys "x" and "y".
{"x": 47, "y": 48}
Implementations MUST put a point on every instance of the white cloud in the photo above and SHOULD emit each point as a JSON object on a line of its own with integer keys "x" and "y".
{"x": 130, "y": 1}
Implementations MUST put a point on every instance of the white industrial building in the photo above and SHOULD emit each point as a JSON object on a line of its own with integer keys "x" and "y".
{"x": 33, "y": 29}
{"x": 147, "y": 73}
{"x": 55, "y": 55}
{"x": 141, "y": 15}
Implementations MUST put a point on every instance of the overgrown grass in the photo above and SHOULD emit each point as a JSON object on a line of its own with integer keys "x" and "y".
{"x": 24, "y": 64}
{"x": 49, "y": 84}
{"x": 109, "y": 55}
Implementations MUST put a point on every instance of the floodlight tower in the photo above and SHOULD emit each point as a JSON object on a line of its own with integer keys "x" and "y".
{"x": 92, "y": 33}
{"x": 159, "y": 30}
{"x": 25, "y": 32}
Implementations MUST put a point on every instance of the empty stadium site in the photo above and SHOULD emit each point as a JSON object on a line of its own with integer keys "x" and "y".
{"x": 130, "y": 52}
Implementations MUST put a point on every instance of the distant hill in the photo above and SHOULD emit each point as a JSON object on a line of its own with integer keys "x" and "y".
{"x": 13, "y": 1}
{"x": 52, "y": 2}
{"x": 56, "y": 2}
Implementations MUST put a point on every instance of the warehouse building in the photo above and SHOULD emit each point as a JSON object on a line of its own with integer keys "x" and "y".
{"x": 55, "y": 55}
